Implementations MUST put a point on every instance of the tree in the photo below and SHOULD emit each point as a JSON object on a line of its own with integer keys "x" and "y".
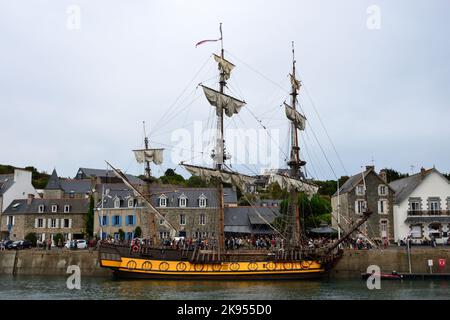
{"x": 31, "y": 237}
{"x": 90, "y": 218}
{"x": 393, "y": 175}
{"x": 170, "y": 177}
{"x": 195, "y": 182}
{"x": 121, "y": 235}
{"x": 328, "y": 187}
{"x": 57, "y": 238}
{"x": 138, "y": 232}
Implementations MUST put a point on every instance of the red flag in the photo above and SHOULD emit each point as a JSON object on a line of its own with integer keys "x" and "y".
{"x": 204, "y": 41}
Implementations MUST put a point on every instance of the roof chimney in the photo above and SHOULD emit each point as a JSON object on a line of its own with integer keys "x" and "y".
{"x": 383, "y": 175}
{"x": 422, "y": 172}
{"x": 30, "y": 198}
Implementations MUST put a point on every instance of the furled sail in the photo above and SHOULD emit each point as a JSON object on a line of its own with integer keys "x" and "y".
{"x": 295, "y": 83}
{"x": 229, "y": 104}
{"x": 236, "y": 179}
{"x": 225, "y": 66}
{"x": 292, "y": 184}
{"x": 150, "y": 155}
{"x": 139, "y": 194}
{"x": 297, "y": 118}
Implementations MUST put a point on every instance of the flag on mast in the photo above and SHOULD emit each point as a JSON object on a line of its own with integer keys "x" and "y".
{"x": 205, "y": 41}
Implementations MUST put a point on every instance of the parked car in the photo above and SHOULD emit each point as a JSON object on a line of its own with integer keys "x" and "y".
{"x": 8, "y": 244}
{"x": 21, "y": 244}
{"x": 76, "y": 244}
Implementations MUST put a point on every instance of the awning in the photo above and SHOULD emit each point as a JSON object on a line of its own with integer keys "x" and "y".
{"x": 323, "y": 230}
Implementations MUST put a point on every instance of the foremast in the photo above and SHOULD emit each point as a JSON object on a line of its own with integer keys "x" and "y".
{"x": 293, "y": 226}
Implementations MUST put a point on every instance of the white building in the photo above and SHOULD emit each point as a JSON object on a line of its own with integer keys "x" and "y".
{"x": 422, "y": 206}
{"x": 14, "y": 186}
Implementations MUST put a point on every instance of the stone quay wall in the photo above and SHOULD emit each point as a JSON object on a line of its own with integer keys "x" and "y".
{"x": 351, "y": 265}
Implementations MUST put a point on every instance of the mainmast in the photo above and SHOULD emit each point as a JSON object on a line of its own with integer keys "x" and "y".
{"x": 148, "y": 171}
{"x": 294, "y": 163}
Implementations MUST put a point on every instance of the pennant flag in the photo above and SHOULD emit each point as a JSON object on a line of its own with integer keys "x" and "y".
{"x": 204, "y": 41}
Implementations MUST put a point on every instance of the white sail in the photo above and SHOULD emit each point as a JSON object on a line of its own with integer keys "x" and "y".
{"x": 150, "y": 155}
{"x": 229, "y": 104}
{"x": 297, "y": 118}
{"x": 225, "y": 66}
{"x": 236, "y": 179}
{"x": 139, "y": 194}
{"x": 295, "y": 83}
{"x": 292, "y": 184}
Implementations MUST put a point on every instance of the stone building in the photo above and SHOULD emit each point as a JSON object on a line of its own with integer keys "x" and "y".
{"x": 354, "y": 198}
{"x": 422, "y": 207}
{"x": 45, "y": 218}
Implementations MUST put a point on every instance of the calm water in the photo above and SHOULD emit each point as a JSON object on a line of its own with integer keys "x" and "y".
{"x": 40, "y": 287}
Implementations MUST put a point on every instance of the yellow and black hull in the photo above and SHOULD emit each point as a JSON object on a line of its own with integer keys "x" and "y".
{"x": 130, "y": 267}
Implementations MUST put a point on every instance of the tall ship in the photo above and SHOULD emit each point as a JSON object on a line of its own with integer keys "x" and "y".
{"x": 293, "y": 260}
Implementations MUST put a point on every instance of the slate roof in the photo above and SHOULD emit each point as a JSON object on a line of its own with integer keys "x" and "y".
{"x": 173, "y": 193}
{"x": 77, "y": 206}
{"x": 103, "y": 173}
{"x": 405, "y": 186}
{"x": 6, "y": 181}
{"x": 246, "y": 220}
{"x": 53, "y": 182}
{"x": 355, "y": 180}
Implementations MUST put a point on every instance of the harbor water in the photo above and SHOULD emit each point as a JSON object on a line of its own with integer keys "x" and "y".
{"x": 55, "y": 288}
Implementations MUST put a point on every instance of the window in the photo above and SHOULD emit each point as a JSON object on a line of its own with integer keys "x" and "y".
{"x": 434, "y": 206}
{"x": 163, "y": 234}
{"x": 41, "y": 208}
{"x": 182, "y": 219}
{"x": 72, "y": 194}
{"x": 116, "y": 220}
{"x": 117, "y": 203}
{"x": 384, "y": 228}
{"x": 66, "y": 223}
{"x": 67, "y": 208}
{"x": 202, "y": 219}
{"x": 382, "y": 190}
{"x": 360, "y": 190}
{"x": 202, "y": 201}
{"x": 53, "y": 223}
{"x": 161, "y": 221}
{"x": 40, "y": 223}
{"x": 163, "y": 201}
{"x": 130, "y": 203}
{"x": 104, "y": 220}
{"x": 360, "y": 206}
{"x": 416, "y": 231}
{"x": 182, "y": 201}
{"x": 54, "y": 208}
{"x": 130, "y": 220}
{"x": 382, "y": 207}
{"x": 10, "y": 221}
{"x": 415, "y": 206}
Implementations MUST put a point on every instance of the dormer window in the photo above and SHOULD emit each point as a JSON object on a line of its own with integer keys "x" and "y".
{"x": 54, "y": 208}
{"x": 116, "y": 203}
{"x": 202, "y": 201}
{"x": 382, "y": 190}
{"x": 162, "y": 201}
{"x": 130, "y": 203}
{"x": 66, "y": 208}
{"x": 41, "y": 208}
{"x": 360, "y": 190}
{"x": 182, "y": 201}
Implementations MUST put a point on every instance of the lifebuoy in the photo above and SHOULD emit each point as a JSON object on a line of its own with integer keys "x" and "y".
{"x": 287, "y": 265}
{"x": 304, "y": 265}
{"x": 135, "y": 248}
{"x": 216, "y": 267}
{"x": 198, "y": 266}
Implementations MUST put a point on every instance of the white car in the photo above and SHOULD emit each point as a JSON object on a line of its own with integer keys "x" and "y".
{"x": 76, "y": 244}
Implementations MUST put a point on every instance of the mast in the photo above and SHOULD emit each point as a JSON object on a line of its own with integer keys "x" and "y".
{"x": 148, "y": 171}
{"x": 294, "y": 163}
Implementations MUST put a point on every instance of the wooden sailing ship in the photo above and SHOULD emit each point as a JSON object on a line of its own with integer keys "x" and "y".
{"x": 294, "y": 261}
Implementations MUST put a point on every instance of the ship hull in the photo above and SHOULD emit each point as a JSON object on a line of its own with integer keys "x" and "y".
{"x": 175, "y": 269}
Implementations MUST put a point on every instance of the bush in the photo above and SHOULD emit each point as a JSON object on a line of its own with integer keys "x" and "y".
{"x": 121, "y": 235}
{"x": 32, "y": 238}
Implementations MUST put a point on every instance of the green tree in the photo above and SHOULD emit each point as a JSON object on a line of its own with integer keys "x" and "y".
{"x": 195, "y": 182}
{"x": 89, "y": 220}
{"x": 121, "y": 235}
{"x": 138, "y": 232}
{"x": 32, "y": 238}
{"x": 57, "y": 238}
{"x": 393, "y": 175}
{"x": 170, "y": 177}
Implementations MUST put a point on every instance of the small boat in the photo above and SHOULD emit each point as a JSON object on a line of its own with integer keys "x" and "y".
{"x": 385, "y": 276}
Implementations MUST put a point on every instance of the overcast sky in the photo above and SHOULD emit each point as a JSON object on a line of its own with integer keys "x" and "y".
{"x": 73, "y": 95}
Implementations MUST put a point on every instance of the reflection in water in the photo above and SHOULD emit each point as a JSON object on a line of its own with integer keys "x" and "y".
{"x": 41, "y": 287}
